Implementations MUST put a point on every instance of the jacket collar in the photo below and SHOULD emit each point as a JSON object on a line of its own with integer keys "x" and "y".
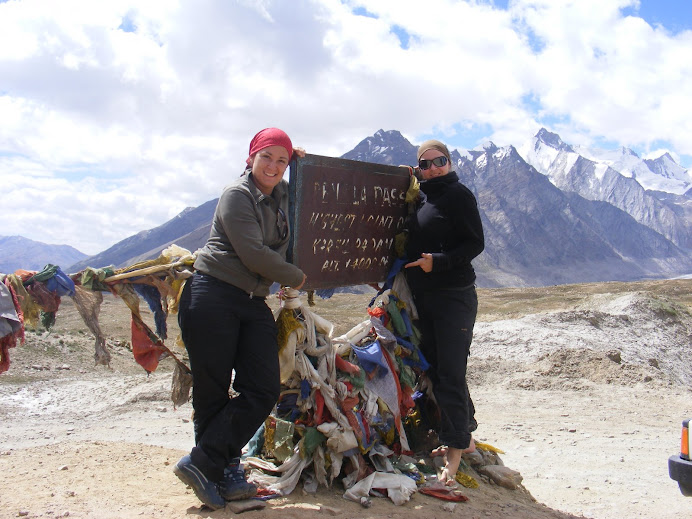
{"x": 445, "y": 180}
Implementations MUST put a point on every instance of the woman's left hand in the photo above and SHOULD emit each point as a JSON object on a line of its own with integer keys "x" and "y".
{"x": 425, "y": 262}
{"x": 299, "y": 151}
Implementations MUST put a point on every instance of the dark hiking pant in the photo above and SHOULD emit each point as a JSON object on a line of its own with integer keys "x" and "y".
{"x": 226, "y": 330}
{"x": 446, "y": 320}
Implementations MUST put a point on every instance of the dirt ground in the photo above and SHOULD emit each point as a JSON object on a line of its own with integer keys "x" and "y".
{"x": 583, "y": 387}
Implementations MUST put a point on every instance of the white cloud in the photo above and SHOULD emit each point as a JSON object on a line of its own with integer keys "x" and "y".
{"x": 104, "y": 132}
{"x": 612, "y": 76}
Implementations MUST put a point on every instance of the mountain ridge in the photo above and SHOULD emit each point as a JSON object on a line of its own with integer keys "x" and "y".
{"x": 18, "y": 252}
{"x": 543, "y": 226}
{"x": 581, "y": 171}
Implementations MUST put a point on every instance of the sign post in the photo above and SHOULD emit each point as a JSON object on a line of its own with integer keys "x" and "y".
{"x": 344, "y": 216}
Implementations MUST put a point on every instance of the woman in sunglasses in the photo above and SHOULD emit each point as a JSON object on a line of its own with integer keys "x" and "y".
{"x": 227, "y": 326}
{"x": 445, "y": 234}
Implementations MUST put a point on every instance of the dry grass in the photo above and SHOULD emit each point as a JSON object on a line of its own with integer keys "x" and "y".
{"x": 347, "y": 310}
{"x": 512, "y": 303}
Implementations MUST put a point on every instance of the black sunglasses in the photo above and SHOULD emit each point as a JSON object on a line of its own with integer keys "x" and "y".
{"x": 437, "y": 161}
{"x": 281, "y": 223}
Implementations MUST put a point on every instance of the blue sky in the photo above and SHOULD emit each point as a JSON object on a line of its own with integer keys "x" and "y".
{"x": 674, "y": 15}
{"x": 115, "y": 116}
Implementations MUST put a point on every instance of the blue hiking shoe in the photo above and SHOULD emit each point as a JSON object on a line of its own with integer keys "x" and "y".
{"x": 206, "y": 491}
{"x": 233, "y": 486}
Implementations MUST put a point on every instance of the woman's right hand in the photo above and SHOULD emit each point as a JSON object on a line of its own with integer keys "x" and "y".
{"x": 425, "y": 262}
{"x": 301, "y": 283}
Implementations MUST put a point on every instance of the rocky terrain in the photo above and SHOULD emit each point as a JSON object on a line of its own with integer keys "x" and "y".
{"x": 582, "y": 386}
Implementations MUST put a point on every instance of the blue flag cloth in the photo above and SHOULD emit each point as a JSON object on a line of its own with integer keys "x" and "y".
{"x": 397, "y": 265}
{"x": 370, "y": 357}
{"x": 60, "y": 283}
{"x": 152, "y": 296}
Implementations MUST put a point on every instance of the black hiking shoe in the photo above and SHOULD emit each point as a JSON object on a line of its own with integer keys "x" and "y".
{"x": 206, "y": 491}
{"x": 233, "y": 486}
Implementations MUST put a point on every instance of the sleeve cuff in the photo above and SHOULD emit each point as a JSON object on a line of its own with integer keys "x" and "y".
{"x": 440, "y": 262}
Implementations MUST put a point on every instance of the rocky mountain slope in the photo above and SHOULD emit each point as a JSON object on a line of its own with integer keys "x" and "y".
{"x": 536, "y": 232}
{"x": 583, "y": 387}
{"x": 19, "y": 252}
{"x": 193, "y": 222}
{"x": 551, "y": 214}
{"x": 622, "y": 179}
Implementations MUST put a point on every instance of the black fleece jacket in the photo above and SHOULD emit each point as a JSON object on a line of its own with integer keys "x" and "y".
{"x": 446, "y": 224}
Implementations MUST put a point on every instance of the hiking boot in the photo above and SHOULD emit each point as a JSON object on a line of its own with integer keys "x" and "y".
{"x": 233, "y": 486}
{"x": 206, "y": 491}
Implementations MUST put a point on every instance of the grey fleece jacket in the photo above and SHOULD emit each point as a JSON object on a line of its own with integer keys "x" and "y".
{"x": 245, "y": 247}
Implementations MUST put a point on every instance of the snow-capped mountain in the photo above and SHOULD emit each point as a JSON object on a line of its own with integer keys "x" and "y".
{"x": 666, "y": 167}
{"x": 654, "y": 196}
{"x": 384, "y": 148}
{"x": 661, "y": 174}
{"x": 539, "y": 227}
{"x": 537, "y": 233}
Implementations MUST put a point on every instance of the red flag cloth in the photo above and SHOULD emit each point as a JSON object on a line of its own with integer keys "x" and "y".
{"x": 444, "y": 494}
{"x": 10, "y": 340}
{"x": 345, "y": 366}
{"x": 402, "y": 409}
{"x": 144, "y": 348}
{"x": 47, "y": 300}
{"x": 319, "y": 407}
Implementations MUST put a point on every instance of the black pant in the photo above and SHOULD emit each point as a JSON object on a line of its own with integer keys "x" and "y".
{"x": 225, "y": 330}
{"x": 446, "y": 320}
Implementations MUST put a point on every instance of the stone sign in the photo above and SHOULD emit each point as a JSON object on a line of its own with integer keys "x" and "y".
{"x": 344, "y": 215}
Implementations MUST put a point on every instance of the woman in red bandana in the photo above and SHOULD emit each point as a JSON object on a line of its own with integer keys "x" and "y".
{"x": 227, "y": 326}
